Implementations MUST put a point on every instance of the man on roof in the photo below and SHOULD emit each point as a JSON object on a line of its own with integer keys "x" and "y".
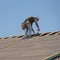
{"x": 27, "y": 25}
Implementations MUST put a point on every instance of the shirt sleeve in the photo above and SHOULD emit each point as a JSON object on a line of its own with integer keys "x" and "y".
{"x": 36, "y": 23}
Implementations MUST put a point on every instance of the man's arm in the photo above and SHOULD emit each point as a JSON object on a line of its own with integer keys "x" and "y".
{"x": 33, "y": 30}
{"x": 37, "y": 25}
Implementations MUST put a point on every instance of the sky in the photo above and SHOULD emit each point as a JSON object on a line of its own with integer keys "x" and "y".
{"x": 14, "y": 12}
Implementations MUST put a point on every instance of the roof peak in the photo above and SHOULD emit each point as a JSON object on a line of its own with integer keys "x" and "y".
{"x": 37, "y": 34}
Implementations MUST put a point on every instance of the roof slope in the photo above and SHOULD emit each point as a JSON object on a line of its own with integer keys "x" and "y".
{"x": 36, "y": 48}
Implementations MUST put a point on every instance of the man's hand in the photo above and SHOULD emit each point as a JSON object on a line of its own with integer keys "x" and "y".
{"x": 38, "y": 29}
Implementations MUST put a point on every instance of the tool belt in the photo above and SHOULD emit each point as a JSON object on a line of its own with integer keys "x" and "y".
{"x": 23, "y": 26}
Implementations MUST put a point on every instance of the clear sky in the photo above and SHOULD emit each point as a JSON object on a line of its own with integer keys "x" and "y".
{"x": 13, "y": 13}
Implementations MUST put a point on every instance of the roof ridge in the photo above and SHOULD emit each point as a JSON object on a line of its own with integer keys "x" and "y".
{"x": 37, "y": 34}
